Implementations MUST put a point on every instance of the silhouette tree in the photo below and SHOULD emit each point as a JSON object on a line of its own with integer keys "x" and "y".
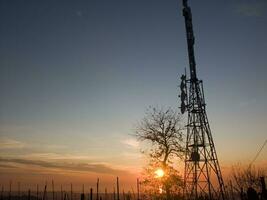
{"x": 163, "y": 130}
{"x": 245, "y": 178}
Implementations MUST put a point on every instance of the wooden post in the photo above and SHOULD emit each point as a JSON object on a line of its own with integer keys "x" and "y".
{"x": 65, "y": 195}
{"x": 29, "y": 194}
{"x": 91, "y": 193}
{"x": 71, "y": 191}
{"x": 19, "y": 190}
{"x": 106, "y": 194}
{"x": 61, "y": 192}
{"x": 2, "y": 192}
{"x": 37, "y": 192}
{"x": 9, "y": 194}
{"x": 97, "y": 189}
{"x": 53, "y": 190}
{"x": 83, "y": 188}
{"x": 44, "y": 194}
{"x": 138, "y": 192}
{"x": 82, "y": 196}
{"x": 118, "y": 189}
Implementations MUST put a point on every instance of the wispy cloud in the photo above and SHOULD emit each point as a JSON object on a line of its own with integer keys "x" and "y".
{"x": 69, "y": 166}
{"x": 131, "y": 143}
{"x": 7, "y": 166}
{"x": 56, "y": 156}
{"x": 7, "y": 143}
{"x": 253, "y": 9}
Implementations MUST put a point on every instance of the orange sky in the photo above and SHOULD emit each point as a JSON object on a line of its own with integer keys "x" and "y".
{"x": 30, "y": 172}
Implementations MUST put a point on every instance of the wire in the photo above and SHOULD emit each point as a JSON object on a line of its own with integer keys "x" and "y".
{"x": 258, "y": 152}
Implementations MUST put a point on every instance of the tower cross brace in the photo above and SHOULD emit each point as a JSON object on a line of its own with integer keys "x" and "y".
{"x": 202, "y": 175}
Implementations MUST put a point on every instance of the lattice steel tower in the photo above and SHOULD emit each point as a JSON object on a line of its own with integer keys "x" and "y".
{"x": 202, "y": 176}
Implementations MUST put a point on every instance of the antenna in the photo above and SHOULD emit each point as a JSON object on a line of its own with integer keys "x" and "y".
{"x": 202, "y": 175}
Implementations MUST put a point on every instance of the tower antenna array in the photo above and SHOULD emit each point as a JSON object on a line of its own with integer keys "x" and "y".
{"x": 202, "y": 175}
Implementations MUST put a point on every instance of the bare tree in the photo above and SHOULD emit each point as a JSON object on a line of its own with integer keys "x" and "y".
{"x": 246, "y": 177}
{"x": 163, "y": 130}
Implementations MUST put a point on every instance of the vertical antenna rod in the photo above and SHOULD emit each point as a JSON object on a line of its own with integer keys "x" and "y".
{"x": 190, "y": 39}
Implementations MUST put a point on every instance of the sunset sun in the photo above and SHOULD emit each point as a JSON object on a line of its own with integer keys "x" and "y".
{"x": 159, "y": 173}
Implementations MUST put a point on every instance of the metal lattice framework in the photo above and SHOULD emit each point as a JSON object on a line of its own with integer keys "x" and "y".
{"x": 202, "y": 176}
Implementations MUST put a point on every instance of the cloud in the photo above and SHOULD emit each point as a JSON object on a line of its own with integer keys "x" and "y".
{"x": 69, "y": 166}
{"x": 131, "y": 143}
{"x": 255, "y": 9}
{"x": 55, "y": 156}
{"x": 55, "y": 146}
{"x": 10, "y": 144}
{"x": 6, "y": 143}
{"x": 7, "y": 166}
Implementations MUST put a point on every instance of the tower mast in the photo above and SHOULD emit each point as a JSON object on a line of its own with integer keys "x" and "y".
{"x": 202, "y": 176}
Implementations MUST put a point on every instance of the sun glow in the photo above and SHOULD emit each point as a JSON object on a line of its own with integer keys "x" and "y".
{"x": 160, "y": 190}
{"x": 159, "y": 173}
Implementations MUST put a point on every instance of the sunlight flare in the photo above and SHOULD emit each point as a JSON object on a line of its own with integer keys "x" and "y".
{"x": 159, "y": 173}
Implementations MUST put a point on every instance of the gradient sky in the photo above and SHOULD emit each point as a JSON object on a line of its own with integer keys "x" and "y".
{"x": 76, "y": 76}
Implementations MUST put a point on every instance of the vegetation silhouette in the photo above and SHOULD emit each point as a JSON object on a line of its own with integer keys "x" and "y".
{"x": 162, "y": 128}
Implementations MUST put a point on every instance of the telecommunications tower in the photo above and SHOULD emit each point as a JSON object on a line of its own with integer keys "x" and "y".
{"x": 202, "y": 176}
